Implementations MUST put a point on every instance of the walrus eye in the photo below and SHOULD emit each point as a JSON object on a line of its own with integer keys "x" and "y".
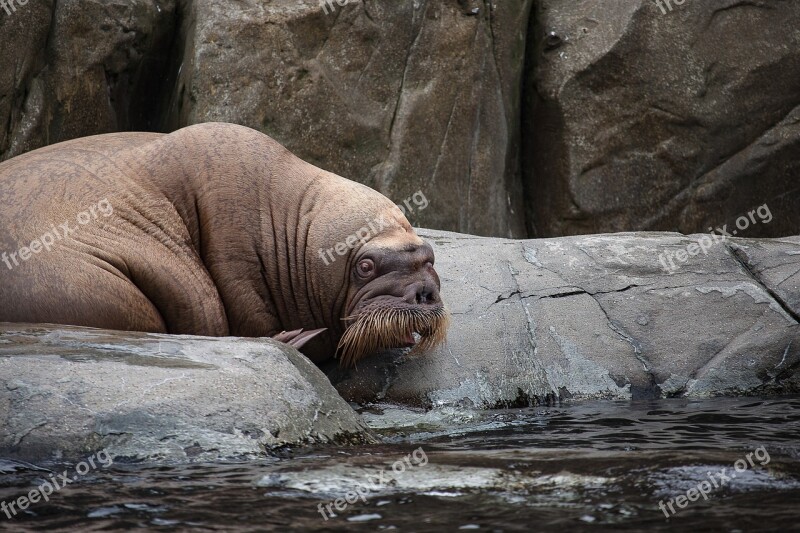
{"x": 365, "y": 267}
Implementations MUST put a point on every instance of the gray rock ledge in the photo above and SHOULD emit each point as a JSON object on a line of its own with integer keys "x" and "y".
{"x": 598, "y": 316}
{"x": 66, "y": 392}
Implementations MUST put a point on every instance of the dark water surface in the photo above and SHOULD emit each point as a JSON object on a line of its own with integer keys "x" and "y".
{"x": 599, "y": 465}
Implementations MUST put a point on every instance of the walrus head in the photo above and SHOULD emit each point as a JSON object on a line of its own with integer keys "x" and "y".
{"x": 377, "y": 272}
{"x": 393, "y": 300}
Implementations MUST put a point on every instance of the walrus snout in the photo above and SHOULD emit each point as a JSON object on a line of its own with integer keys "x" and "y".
{"x": 422, "y": 293}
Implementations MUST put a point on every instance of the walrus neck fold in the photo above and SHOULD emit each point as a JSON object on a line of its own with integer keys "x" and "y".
{"x": 257, "y": 215}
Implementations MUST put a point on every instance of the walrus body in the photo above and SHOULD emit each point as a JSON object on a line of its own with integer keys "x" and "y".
{"x": 215, "y": 230}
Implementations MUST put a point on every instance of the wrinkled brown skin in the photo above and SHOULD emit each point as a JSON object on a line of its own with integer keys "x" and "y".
{"x": 216, "y": 230}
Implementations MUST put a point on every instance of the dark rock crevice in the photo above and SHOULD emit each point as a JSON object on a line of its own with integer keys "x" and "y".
{"x": 565, "y": 294}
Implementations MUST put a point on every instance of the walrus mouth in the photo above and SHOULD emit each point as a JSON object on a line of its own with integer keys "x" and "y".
{"x": 385, "y": 326}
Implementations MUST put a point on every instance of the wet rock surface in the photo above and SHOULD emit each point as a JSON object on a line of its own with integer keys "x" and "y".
{"x": 66, "y": 392}
{"x": 602, "y": 316}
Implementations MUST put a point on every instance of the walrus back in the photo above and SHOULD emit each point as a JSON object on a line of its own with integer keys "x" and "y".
{"x": 84, "y": 240}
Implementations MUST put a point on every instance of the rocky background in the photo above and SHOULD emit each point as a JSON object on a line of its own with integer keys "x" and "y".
{"x": 516, "y": 118}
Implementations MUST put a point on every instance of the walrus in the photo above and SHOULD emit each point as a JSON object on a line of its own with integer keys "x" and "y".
{"x": 217, "y": 230}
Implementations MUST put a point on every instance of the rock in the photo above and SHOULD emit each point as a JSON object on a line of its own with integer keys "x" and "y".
{"x": 403, "y": 96}
{"x": 75, "y": 68}
{"x": 601, "y": 316}
{"x": 66, "y": 392}
{"x": 641, "y": 118}
{"x": 610, "y": 117}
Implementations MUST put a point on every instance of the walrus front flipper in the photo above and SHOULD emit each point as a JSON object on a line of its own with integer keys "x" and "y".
{"x": 297, "y": 338}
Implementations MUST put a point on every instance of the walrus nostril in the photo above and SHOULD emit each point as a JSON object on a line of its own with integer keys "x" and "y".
{"x": 425, "y": 295}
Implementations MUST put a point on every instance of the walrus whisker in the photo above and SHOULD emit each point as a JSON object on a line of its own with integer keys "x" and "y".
{"x": 380, "y": 328}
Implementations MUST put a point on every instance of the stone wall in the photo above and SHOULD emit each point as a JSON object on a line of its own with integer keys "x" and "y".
{"x": 642, "y": 118}
{"x": 514, "y": 118}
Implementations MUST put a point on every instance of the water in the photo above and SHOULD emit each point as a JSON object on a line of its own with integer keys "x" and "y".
{"x": 599, "y": 465}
